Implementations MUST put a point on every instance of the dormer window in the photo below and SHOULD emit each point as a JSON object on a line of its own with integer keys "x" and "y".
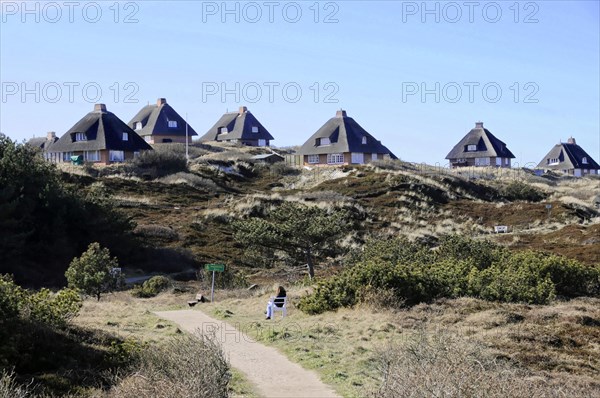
{"x": 138, "y": 126}
{"x": 125, "y": 136}
{"x": 172, "y": 124}
{"x": 471, "y": 148}
{"x": 80, "y": 137}
{"x": 223, "y": 130}
{"x": 553, "y": 161}
{"x": 323, "y": 141}
{"x": 254, "y": 129}
{"x": 364, "y": 140}
{"x": 584, "y": 160}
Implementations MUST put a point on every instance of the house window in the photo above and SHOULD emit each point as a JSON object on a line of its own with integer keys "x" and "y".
{"x": 67, "y": 156}
{"x": 223, "y": 130}
{"x": 313, "y": 159}
{"x": 91, "y": 156}
{"x": 507, "y": 161}
{"x": 125, "y": 136}
{"x": 116, "y": 156}
{"x": 80, "y": 137}
{"x": 471, "y": 148}
{"x": 254, "y": 129}
{"x": 358, "y": 158}
{"x": 138, "y": 125}
{"x": 136, "y": 154}
{"x": 148, "y": 138}
{"x": 552, "y": 162}
{"x": 374, "y": 156}
{"x": 499, "y": 162}
{"x": 482, "y": 161}
{"x": 262, "y": 142}
{"x": 323, "y": 141}
{"x": 364, "y": 140}
{"x": 335, "y": 158}
{"x": 172, "y": 124}
{"x": 584, "y": 160}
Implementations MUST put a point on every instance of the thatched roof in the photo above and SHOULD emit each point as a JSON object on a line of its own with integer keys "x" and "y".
{"x": 344, "y": 135}
{"x": 102, "y": 130}
{"x": 487, "y": 145}
{"x": 155, "y": 121}
{"x": 43, "y": 143}
{"x": 239, "y": 127}
{"x": 569, "y": 156}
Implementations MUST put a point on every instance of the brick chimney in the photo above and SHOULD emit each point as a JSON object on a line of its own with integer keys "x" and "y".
{"x": 479, "y": 125}
{"x": 571, "y": 140}
{"x": 242, "y": 110}
{"x": 50, "y": 136}
{"x": 340, "y": 113}
{"x": 161, "y": 101}
{"x": 99, "y": 108}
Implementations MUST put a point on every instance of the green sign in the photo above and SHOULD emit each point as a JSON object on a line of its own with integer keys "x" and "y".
{"x": 215, "y": 267}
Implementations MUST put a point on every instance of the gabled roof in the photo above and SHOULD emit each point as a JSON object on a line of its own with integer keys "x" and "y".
{"x": 103, "y": 130}
{"x": 239, "y": 127}
{"x": 43, "y": 143}
{"x": 487, "y": 145}
{"x": 569, "y": 156}
{"x": 345, "y": 135}
{"x": 155, "y": 120}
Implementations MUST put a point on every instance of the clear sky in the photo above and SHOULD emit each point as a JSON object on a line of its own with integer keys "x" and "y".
{"x": 416, "y": 75}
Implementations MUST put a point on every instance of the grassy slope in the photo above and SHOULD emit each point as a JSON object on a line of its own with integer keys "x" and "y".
{"x": 557, "y": 343}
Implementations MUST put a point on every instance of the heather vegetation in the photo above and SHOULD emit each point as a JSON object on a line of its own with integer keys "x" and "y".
{"x": 411, "y": 273}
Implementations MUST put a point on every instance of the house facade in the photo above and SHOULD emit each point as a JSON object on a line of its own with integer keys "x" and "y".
{"x": 342, "y": 141}
{"x": 239, "y": 127}
{"x": 44, "y": 144}
{"x": 569, "y": 158}
{"x": 99, "y": 137}
{"x": 160, "y": 123}
{"x": 480, "y": 148}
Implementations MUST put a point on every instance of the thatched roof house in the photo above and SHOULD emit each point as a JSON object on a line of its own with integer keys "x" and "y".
{"x": 160, "y": 123}
{"x": 100, "y": 136}
{"x": 480, "y": 148}
{"x": 341, "y": 140}
{"x": 241, "y": 126}
{"x": 569, "y": 158}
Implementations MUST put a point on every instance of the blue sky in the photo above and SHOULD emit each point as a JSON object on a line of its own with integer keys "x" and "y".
{"x": 416, "y": 75}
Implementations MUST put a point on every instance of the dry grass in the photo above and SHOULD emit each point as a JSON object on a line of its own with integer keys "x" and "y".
{"x": 535, "y": 349}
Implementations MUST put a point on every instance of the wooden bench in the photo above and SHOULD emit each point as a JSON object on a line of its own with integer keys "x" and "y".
{"x": 501, "y": 229}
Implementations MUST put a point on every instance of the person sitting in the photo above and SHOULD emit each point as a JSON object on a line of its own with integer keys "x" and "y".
{"x": 278, "y": 301}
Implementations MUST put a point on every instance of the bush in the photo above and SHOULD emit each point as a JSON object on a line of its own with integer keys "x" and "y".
{"x": 152, "y": 287}
{"x": 459, "y": 267}
{"x": 186, "y": 366}
{"x": 518, "y": 190}
{"x": 161, "y": 163}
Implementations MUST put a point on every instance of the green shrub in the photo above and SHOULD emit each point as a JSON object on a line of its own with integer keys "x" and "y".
{"x": 518, "y": 190}
{"x": 152, "y": 287}
{"x": 459, "y": 267}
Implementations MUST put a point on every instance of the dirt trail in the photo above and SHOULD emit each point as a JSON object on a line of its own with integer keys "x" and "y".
{"x": 270, "y": 371}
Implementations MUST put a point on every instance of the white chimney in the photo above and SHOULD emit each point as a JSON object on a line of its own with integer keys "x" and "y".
{"x": 571, "y": 140}
{"x": 100, "y": 108}
{"x": 161, "y": 101}
{"x": 51, "y": 136}
{"x": 479, "y": 125}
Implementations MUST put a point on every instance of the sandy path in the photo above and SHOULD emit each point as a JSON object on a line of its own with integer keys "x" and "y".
{"x": 270, "y": 371}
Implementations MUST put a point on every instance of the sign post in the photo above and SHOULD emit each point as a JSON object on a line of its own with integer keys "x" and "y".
{"x": 214, "y": 268}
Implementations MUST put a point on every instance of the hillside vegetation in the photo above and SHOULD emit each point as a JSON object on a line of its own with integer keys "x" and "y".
{"x": 413, "y": 242}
